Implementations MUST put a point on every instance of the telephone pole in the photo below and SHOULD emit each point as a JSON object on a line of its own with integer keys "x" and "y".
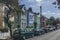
{"x": 40, "y": 16}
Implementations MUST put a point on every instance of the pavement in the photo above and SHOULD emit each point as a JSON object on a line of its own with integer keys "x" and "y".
{"x": 55, "y": 35}
{"x": 4, "y": 35}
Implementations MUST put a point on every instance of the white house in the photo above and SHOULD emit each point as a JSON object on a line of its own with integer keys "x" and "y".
{"x": 22, "y": 18}
{"x": 38, "y": 20}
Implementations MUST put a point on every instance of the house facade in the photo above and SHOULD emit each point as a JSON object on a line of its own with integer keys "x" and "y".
{"x": 3, "y": 10}
{"x": 30, "y": 19}
{"x": 22, "y": 18}
{"x": 44, "y": 21}
{"x": 38, "y": 21}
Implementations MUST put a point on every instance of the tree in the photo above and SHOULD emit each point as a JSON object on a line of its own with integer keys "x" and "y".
{"x": 51, "y": 21}
{"x": 52, "y": 18}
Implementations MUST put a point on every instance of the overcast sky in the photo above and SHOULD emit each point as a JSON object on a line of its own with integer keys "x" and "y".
{"x": 48, "y": 9}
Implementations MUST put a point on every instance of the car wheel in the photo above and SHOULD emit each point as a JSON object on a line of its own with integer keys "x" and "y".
{"x": 24, "y": 37}
{"x": 32, "y": 35}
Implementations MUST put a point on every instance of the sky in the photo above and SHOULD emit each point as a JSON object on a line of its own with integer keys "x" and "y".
{"x": 48, "y": 9}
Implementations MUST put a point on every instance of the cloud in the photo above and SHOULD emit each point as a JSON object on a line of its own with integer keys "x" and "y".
{"x": 58, "y": 14}
{"x": 34, "y": 1}
{"x": 38, "y": 1}
{"x": 30, "y": 0}
{"x": 47, "y": 7}
{"x": 49, "y": 14}
{"x": 32, "y": 6}
{"x": 53, "y": 13}
{"x": 48, "y": 11}
{"x": 44, "y": 13}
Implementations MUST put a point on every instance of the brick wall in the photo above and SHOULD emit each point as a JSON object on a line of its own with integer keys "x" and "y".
{"x": 43, "y": 22}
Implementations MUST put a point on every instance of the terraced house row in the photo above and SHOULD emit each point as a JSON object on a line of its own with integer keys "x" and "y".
{"x": 26, "y": 19}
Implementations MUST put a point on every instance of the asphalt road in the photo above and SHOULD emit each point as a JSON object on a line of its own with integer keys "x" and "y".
{"x": 55, "y": 35}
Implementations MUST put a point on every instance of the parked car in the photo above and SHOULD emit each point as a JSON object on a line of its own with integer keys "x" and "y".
{"x": 42, "y": 30}
{"x": 27, "y": 33}
{"x": 38, "y": 31}
{"x": 46, "y": 29}
{"x": 51, "y": 28}
{"x": 54, "y": 28}
{"x": 17, "y": 35}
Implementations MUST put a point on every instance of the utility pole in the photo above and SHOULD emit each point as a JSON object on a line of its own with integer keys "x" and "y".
{"x": 40, "y": 16}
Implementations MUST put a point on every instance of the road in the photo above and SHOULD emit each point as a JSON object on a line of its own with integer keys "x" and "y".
{"x": 55, "y": 35}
